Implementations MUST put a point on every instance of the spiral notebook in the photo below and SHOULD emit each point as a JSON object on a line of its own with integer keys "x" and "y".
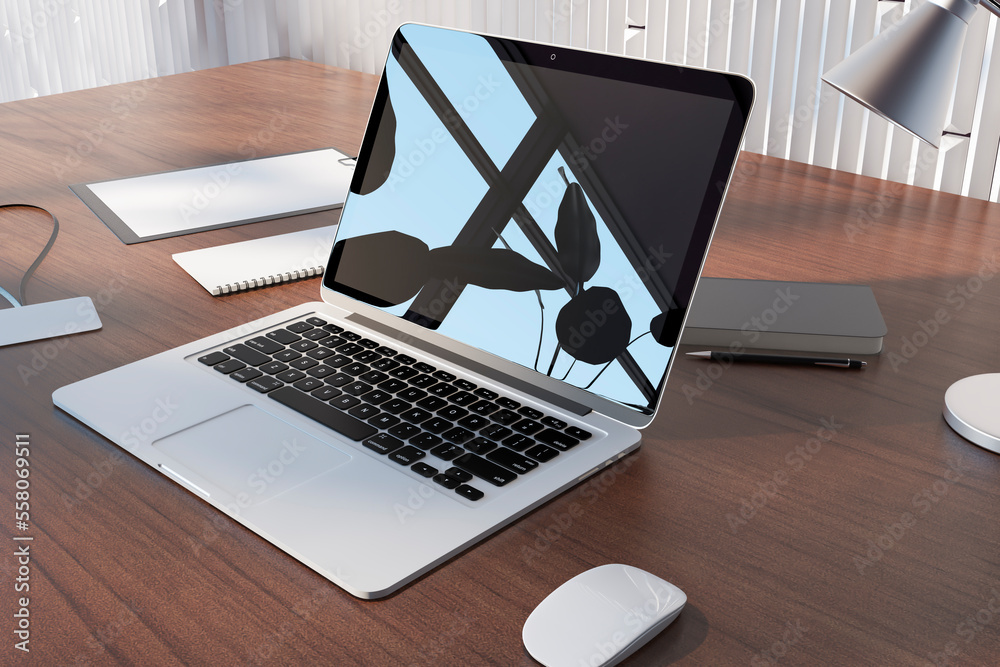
{"x": 272, "y": 260}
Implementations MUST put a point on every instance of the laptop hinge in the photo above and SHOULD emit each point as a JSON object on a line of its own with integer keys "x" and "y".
{"x": 514, "y": 382}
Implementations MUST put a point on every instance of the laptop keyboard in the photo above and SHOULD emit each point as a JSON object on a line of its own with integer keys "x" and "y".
{"x": 445, "y": 428}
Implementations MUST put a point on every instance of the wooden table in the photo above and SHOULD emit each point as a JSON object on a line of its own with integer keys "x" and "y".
{"x": 813, "y": 516}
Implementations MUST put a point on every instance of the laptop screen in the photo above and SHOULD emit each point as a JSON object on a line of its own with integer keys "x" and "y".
{"x": 550, "y": 206}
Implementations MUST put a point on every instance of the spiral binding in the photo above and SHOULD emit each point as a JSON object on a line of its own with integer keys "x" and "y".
{"x": 230, "y": 288}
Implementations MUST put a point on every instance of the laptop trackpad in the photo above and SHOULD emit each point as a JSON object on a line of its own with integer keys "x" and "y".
{"x": 251, "y": 454}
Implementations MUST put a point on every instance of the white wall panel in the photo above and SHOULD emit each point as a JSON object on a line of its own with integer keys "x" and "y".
{"x": 51, "y": 46}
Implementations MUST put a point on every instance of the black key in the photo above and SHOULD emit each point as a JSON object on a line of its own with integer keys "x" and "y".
{"x": 415, "y": 415}
{"x": 464, "y": 385}
{"x": 355, "y": 368}
{"x": 530, "y": 413}
{"x": 446, "y": 481}
{"x": 496, "y": 432}
{"x": 315, "y": 334}
{"x": 432, "y": 403}
{"x": 339, "y": 380}
{"x": 452, "y": 412}
{"x": 321, "y": 372}
{"x": 283, "y": 336}
{"x": 338, "y": 360}
{"x": 444, "y": 376}
{"x": 383, "y": 420}
{"x": 304, "y": 363}
{"x": 345, "y": 402}
{"x": 423, "y": 381}
{"x": 350, "y": 335}
{"x": 333, "y": 328}
{"x": 230, "y": 366}
{"x": 367, "y": 357}
{"x": 333, "y": 342}
{"x": 527, "y": 426}
{"x": 364, "y": 411}
{"x": 424, "y": 368}
{"x": 213, "y": 358}
{"x": 407, "y": 455}
{"x": 436, "y": 425}
{"x": 273, "y": 367}
{"x": 483, "y": 392}
{"x": 473, "y": 422}
{"x": 357, "y": 388}
{"x": 458, "y": 474}
{"x": 386, "y": 351}
{"x": 578, "y": 433}
{"x": 373, "y": 377}
{"x": 246, "y": 355}
{"x": 458, "y": 435}
{"x": 411, "y": 394}
{"x": 290, "y": 376}
{"x": 316, "y": 321}
{"x": 542, "y": 453}
{"x": 404, "y": 431}
{"x": 265, "y": 345}
{"x": 405, "y": 359}
{"x": 484, "y": 408}
{"x": 246, "y": 374}
{"x": 423, "y": 469}
{"x": 518, "y": 442}
{"x": 463, "y": 398}
{"x": 508, "y": 403}
{"x": 368, "y": 344}
{"x": 557, "y": 439}
{"x": 469, "y": 492}
{"x": 508, "y": 459}
{"x": 350, "y": 349}
{"x": 552, "y": 422}
{"x": 299, "y": 327}
{"x": 480, "y": 445}
{"x": 425, "y": 440}
{"x": 442, "y": 389}
{"x": 308, "y": 384}
{"x": 384, "y": 365}
{"x": 483, "y": 469}
{"x": 506, "y": 417}
{"x": 447, "y": 451}
{"x": 325, "y": 393}
{"x": 395, "y": 406}
{"x": 286, "y": 355}
{"x": 303, "y": 345}
{"x": 320, "y": 353}
{"x": 377, "y": 396}
{"x": 392, "y": 386}
{"x": 265, "y": 384}
{"x": 403, "y": 373}
{"x": 383, "y": 443}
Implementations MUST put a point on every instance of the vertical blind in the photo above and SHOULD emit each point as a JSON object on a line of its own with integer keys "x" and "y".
{"x": 50, "y": 46}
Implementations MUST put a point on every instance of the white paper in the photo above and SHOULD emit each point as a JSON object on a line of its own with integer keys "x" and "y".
{"x": 209, "y": 196}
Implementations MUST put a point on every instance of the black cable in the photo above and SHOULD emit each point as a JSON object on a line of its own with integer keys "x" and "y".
{"x": 41, "y": 255}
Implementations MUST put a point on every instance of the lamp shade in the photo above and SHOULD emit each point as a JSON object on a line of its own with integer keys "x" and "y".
{"x": 908, "y": 72}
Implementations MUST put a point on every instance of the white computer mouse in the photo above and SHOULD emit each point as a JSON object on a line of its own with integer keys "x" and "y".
{"x": 600, "y": 617}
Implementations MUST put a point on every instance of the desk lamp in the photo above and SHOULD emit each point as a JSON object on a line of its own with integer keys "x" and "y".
{"x": 907, "y": 75}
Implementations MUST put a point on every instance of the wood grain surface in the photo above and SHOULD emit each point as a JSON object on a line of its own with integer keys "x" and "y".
{"x": 813, "y": 516}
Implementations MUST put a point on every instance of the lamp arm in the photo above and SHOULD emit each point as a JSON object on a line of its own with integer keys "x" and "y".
{"x": 991, "y": 5}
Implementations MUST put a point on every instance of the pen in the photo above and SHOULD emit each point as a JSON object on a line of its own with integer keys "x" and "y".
{"x": 780, "y": 359}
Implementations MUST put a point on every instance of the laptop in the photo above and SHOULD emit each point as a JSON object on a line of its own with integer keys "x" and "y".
{"x": 522, "y": 239}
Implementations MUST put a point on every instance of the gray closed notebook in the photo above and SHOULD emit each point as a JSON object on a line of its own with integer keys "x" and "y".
{"x": 784, "y": 315}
